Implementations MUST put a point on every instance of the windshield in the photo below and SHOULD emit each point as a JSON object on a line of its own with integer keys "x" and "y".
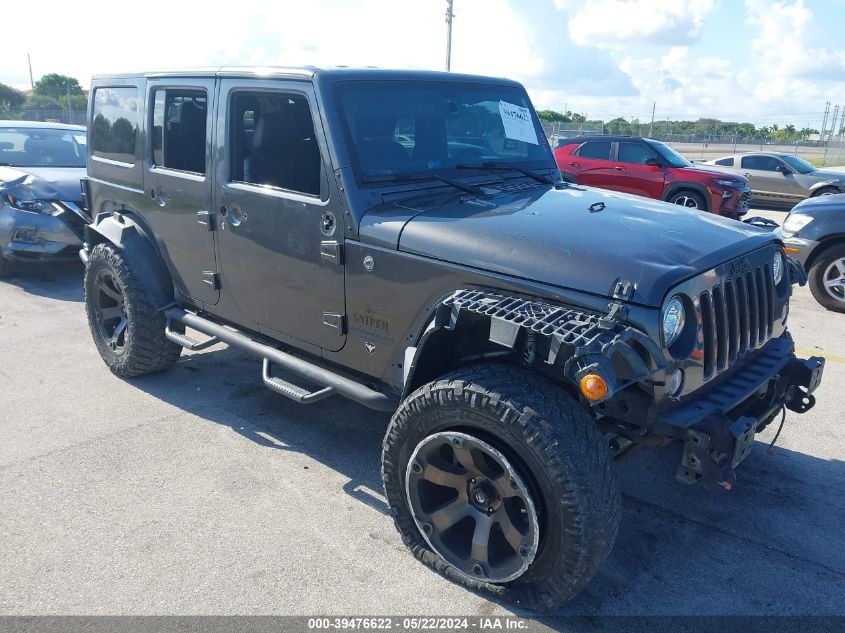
{"x": 436, "y": 126}
{"x": 42, "y": 147}
{"x": 798, "y": 164}
{"x": 672, "y": 157}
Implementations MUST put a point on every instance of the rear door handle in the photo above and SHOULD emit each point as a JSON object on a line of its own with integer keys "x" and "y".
{"x": 573, "y": 164}
{"x": 618, "y": 168}
{"x": 236, "y": 216}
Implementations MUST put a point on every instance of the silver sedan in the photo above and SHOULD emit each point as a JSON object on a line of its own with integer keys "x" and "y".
{"x": 780, "y": 179}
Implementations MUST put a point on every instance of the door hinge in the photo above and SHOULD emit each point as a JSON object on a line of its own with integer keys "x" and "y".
{"x": 212, "y": 279}
{"x": 331, "y": 252}
{"x": 206, "y": 219}
{"x": 334, "y": 320}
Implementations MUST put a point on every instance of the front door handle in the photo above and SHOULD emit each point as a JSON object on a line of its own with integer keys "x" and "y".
{"x": 618, "y": 168}
{"x": 573, "y": 164}
{"x": 236, "y": 216}
{"x": 159, "y": 197}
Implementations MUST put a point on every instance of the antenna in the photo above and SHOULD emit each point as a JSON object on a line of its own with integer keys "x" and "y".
{"x": 449, "y": 16}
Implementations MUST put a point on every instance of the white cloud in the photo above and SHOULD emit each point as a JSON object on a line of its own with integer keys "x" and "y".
{"x": 618, "y": 23}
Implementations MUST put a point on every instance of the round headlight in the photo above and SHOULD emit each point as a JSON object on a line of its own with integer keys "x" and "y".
{"x": 673, "y": 320}
{"x": 777, "y": 268}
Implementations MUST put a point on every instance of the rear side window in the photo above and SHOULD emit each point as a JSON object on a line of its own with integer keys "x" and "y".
{"x": 114, "y": 125}
{"x": 273, "y": 143}
{"x": 179, "y": 129}
{"x": 600, "y": 150}
{"x": 763, "y": 163}
{"x": 726, "y": 162}
{"x": 636, "y": 153}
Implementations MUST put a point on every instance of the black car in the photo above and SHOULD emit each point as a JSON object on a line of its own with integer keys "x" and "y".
{"x": 814, "y": 233}
{"x": 403, "y": 239}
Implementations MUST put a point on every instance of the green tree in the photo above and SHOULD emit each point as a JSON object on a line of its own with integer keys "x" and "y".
{"x": 55, "y": 85}
{"x": 10, "y": 97}
{"x": 552, "y": 116}
{"x": 41, "y": 102}
{"x": 77, "y": 102}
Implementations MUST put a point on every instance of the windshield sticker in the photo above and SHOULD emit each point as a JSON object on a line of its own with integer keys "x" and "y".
{"x": 517, "y": 122}
{"x": 80, "y": 139}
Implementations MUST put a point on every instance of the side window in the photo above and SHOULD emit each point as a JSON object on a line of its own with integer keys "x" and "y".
{"x": 178, "y": 130}
{"x": 114, "y": 125}
{"x": 636, "y": 153}
{"x": 272, "y": 142}
{"x": 599, "y": 150}
{"x": 726, "y": 162}
{"x": 763, "y": 163}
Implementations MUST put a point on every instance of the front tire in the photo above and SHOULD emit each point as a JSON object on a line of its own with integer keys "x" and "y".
{"x": 127, "y": 328}
{"x": 551, "y": 496}
{"x": 827, "y": 278}
{"x": 689, "y": 199}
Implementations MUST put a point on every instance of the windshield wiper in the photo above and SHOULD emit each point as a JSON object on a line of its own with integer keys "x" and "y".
{"x": 498, "y": 166}
{"x": 478, "y": 191}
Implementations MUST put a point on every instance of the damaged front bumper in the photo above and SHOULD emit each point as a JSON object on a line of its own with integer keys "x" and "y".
{"x": 28, "y": 236}
{"x": 718, "y": 426}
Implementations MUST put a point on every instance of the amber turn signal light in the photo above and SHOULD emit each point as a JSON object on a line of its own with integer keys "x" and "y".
{"x": 791, "y": 249}
{"x": 593, "y": 387}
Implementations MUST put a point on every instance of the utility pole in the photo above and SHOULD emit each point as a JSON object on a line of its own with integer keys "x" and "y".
{"x": 833, "y": 123}
{"x": 31, "y": 82}
{"x": 824, "y": 121}
{"x": 449, "y": 16}
{"x": 651, "y": 127}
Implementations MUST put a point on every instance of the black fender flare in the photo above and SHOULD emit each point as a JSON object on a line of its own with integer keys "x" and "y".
{"x": 566, "y": 341}
{"x": 128, "y": 234}
{"x": 692, "y": 186}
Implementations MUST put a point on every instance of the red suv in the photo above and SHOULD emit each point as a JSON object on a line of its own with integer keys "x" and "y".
{"x": 646, "y": 167}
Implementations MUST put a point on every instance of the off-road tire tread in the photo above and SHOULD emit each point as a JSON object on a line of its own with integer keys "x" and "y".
{"x": 556, "y": 429}
{"x": 148, "y": 349}
{"x": 820, "y": 262}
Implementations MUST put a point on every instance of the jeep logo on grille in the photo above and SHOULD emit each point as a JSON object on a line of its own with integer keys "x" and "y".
{"x": 739, "y": 267}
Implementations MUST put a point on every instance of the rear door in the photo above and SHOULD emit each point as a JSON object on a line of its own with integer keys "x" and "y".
{"x": 633, "y": 175}
{"x": 178, "y": 182}
{"x": 591, "y": 165}
{"x": 281, "y": 233}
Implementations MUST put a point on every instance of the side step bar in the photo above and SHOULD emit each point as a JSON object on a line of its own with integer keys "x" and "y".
{"x": 186, "y": 341}
{"x": 292, "y": 391}
{"x": 311, "y": 372}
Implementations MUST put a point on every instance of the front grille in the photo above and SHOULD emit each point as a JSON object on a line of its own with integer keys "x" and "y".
{"x": 736, "y": 317}
{"x": 744, "y": 200}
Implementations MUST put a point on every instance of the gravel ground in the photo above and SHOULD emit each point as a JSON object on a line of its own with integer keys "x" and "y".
{"x": 199, "y": 491}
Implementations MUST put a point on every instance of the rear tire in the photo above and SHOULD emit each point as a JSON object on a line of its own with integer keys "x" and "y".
{"x": 127, "y": 328}
{"x": 689, "y": 199}
{"x": 829, "y": 268}
{"x": 556, "y": 451}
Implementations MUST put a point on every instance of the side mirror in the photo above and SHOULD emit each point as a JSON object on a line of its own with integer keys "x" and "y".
{"x": 785, "y": 170}
{"x": 653, "y": 162}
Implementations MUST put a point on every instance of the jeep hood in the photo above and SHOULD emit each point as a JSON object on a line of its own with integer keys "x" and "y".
{"x": 577, "y": 237}
{"x": 42, "y": 183}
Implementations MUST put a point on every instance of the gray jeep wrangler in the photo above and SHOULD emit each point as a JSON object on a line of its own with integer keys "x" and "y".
{"x": 403, "y": 239}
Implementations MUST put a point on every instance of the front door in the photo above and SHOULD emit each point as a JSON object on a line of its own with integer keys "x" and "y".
{"x": 178, "y": 182}
{"x": 281, "y": 231}
{"x": 768, "y": 180}
{"x": 634, "y": 175}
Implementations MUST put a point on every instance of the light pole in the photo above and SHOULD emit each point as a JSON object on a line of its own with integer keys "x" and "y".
{"x": 449, "y": 16}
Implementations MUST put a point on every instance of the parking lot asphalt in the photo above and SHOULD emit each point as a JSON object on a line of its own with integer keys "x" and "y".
{"x": 198, "y": 491}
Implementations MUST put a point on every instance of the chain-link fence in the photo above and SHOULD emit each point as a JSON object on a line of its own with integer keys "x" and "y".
{"x": 76, "y": 117}
{"x": 706, "y": 144}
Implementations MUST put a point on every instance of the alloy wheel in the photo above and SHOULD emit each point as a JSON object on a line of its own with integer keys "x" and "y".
{"x": 685, "y": 201}
{"x": 110, "y": 311}
{"x": 472, "y": 507}
{"x": 834, "y": 279}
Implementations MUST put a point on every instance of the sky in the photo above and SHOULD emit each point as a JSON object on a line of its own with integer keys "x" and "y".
{"x": 764, "y": 61}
